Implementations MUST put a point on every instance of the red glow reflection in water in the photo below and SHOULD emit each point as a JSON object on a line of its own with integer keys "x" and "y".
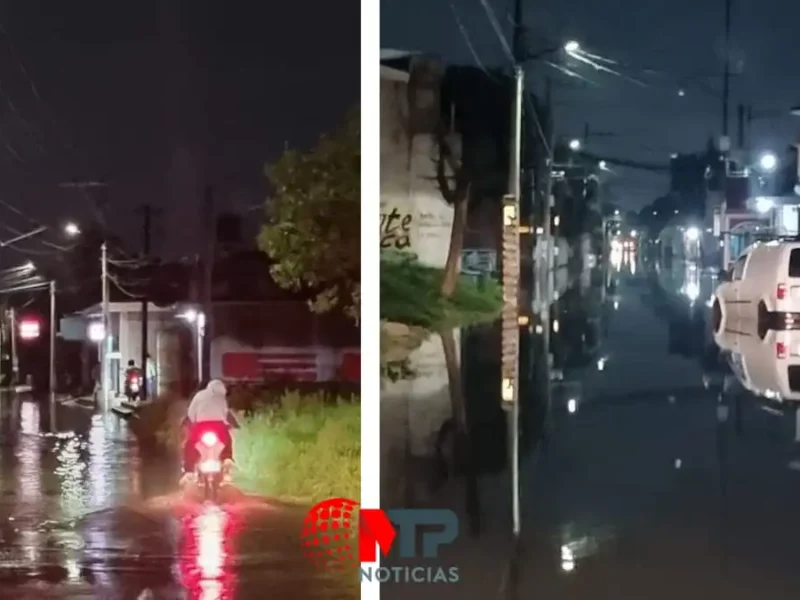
{"x": 205, "y": 553}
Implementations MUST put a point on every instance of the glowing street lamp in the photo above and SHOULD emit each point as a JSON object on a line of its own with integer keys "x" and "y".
{"x": 72, "y": 229}
{"x": 198, "y": 321}
{"x": 764, "y": 205}
{"x": 575, "y": 145}
{"x": 96, "y": 332}
{"x": 572, "y": 46}
{"x": 768, "y": 162}
{"x": 190, "y": 315}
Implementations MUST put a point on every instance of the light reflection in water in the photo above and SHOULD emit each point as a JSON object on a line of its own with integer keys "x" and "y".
{"x": 29, "y": 476}
{"x": 205, "y": 553}
{"x": 71, "y": 472}
{"x": 30, "y": 459}
{"x": 99, "y": 463}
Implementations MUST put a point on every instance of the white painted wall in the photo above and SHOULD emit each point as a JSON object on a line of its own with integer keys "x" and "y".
{"x": 414, "y": 216}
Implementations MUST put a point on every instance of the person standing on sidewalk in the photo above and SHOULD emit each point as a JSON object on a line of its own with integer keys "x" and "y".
{"x": 150, "y": 373}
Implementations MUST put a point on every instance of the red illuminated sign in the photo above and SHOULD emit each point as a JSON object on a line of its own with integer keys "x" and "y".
{"x": 29, "y": 330}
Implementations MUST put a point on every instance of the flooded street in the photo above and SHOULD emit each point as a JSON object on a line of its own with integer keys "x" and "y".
{"x": 82, "y": 515}
{"x": 647, "y": 467}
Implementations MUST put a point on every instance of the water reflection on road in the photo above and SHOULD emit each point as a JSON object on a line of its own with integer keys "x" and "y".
{"x": 647, "y": 469}
{"x": 82, "y": 515}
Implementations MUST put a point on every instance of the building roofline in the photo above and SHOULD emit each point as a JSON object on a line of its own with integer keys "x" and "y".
{"x": 392, "y": 74}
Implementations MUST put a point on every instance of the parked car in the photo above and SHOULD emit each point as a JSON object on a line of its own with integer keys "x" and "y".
{"x": 762, "y": 285}
{"x": 768, "y": 367}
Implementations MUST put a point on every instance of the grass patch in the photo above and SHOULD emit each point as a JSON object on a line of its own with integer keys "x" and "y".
{"x": 410, "y": 295}
{"x": 303, "y": 448}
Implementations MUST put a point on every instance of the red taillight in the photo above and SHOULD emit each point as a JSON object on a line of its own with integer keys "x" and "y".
{"x": 781, "y": 291}
{"x": 780, "y": 350}
{"x": 209, "y": 439}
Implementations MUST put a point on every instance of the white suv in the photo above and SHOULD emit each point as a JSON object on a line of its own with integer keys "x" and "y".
{"x": 762, "y": 285}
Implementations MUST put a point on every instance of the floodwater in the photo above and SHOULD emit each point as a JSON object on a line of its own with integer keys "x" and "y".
{"x": 82, "y": 515}
{"x": 647, "y": 469}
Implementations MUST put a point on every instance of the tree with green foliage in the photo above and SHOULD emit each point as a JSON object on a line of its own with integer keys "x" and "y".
{"x": 313, "y": 232}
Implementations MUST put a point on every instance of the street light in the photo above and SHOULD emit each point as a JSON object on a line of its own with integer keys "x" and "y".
{"x": 575, "y": 145}
{"x": 693, "y": 234}
{"x": 572, "y": 46}
{"x": 764, "y": 205}
{"x": 198, "y": 320}
{"x": 768, "y": 162}
{"x": 72, "y": 229}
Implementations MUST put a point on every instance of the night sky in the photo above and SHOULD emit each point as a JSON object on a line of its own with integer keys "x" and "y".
{"x": 665, "y": 44}
{"x": 159, "y": 98}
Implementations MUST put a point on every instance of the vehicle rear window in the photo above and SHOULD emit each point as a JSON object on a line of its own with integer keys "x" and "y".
{"x": 794, "y": 263}
{"x": 794, "y": 378}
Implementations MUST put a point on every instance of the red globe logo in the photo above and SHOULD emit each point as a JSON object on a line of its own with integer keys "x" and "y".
{"x": 329, "y": 536}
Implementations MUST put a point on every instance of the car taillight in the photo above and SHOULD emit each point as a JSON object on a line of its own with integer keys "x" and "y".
{"x": 781, "y": 291}
{"x": 780, "y": 350}
{"x": 209, "y": 439}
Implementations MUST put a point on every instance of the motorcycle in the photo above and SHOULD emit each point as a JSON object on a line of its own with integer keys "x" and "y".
{"x": 209, "y": 468}
{"x": 210, "y": 471}
{"x": 133, "y": 387}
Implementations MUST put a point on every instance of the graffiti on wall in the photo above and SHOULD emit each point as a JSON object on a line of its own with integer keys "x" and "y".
{"x": 396, "y": 230}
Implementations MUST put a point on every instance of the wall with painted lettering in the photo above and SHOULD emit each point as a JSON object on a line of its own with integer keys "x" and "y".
{"x": 414, "y": 216}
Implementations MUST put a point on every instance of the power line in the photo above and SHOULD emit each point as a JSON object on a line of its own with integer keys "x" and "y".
{"x": 467, "y": 40}
{"x": 490, "y": 14}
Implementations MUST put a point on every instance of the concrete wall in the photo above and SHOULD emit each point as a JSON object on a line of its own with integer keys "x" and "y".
{"x": 414, "y": 216}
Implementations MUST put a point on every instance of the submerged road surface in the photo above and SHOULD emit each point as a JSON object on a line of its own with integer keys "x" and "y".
{"x": 83, "y": 516}
{"x": 644, "y": 473}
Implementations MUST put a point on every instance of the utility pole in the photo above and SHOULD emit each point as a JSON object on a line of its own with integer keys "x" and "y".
{"x": 208, "y": 281}
{"x": 53, "y": 327}
{"x": 147, "y": 212}
{"x": 511, "y": 327}
{"x": 726, "y": 75}
{"x": 104, "y": 345}
{"x": 740, "y": 112}
{"x": 12, "y": 319}
{"x": 549, "y": 200}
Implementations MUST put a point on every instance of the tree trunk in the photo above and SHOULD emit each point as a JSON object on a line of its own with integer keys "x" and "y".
{"x": 452, "y": 267}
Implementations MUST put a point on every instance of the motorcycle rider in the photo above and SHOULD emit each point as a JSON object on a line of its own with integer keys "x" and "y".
{"x": 209, "y": 408}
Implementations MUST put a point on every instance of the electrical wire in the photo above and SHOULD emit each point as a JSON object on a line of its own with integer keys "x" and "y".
{"x": 467, "y": 40}
{"x": 490, "y": 14}
{"x": 122, "y": 289}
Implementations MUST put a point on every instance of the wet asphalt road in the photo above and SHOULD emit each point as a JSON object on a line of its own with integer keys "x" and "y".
{"x": 640, "y": 477}
{"x": 83, "y": 516}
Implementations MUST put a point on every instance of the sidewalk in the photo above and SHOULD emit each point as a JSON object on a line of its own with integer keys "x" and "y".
{"x": 17, "y": 389}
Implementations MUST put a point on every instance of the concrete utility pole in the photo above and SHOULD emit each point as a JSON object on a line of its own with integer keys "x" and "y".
{"x": 209, "y": 214}
{"x": 511, "y": 271}
{"x": 147, "y": 215}
{"x": 549, "y": 201}
{"x": 104, "y": 345}
{"x": 726, "y": 74}
{"x": 53, "y": 329}
{"x": 12, "y": 319}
